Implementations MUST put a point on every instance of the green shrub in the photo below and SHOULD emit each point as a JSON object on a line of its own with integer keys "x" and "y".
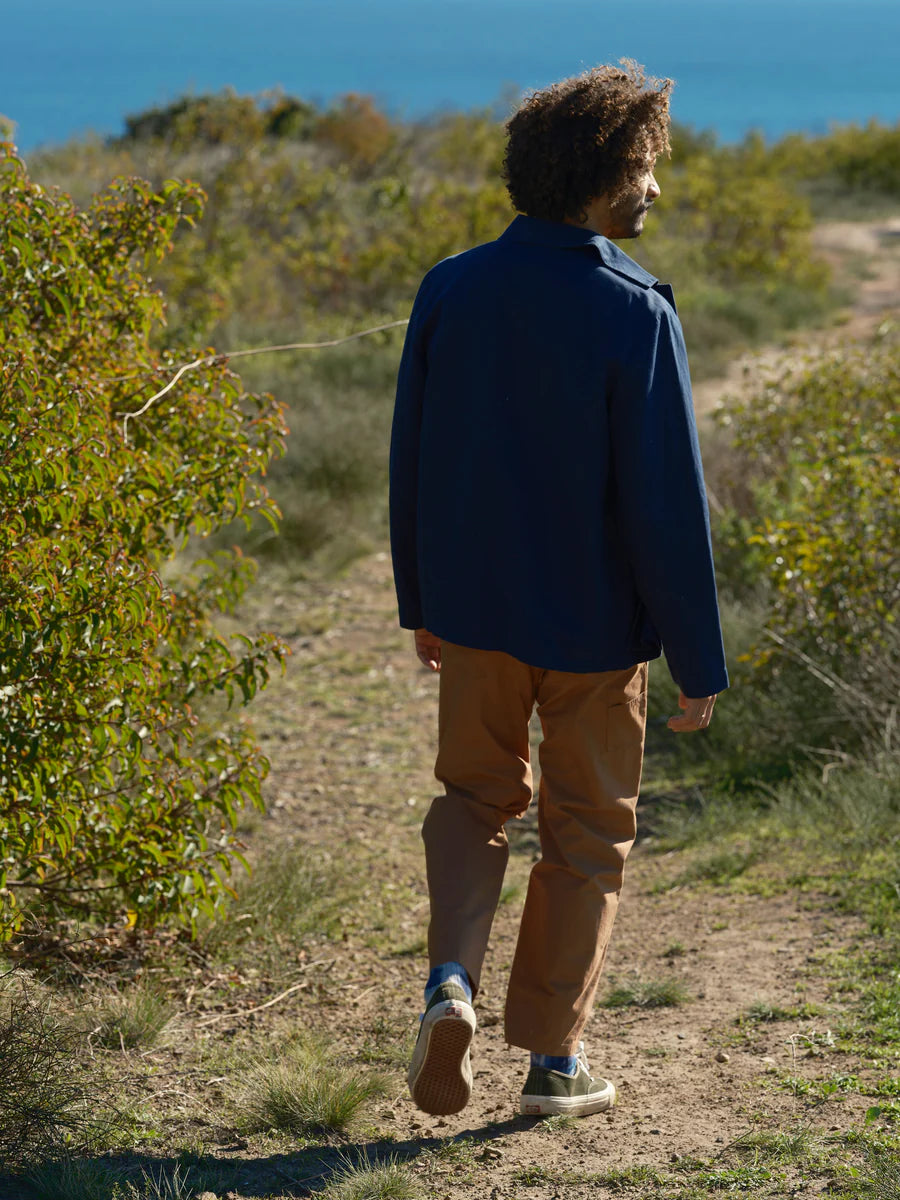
{"x": 817, "y": 451}
{"x": 120, "y": 777}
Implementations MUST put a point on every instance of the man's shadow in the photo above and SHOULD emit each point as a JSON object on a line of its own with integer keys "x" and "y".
{"x": 302, "y": 1172}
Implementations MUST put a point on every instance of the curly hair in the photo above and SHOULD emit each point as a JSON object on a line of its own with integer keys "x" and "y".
{"x": 583, "y": 137}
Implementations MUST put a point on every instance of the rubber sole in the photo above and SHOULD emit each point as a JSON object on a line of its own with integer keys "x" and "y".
{"x": 440, "y": 1075}
{"x": 572, "y": 1106}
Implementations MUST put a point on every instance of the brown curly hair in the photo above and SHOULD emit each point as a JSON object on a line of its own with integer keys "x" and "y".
{"x": 583, "y": 137}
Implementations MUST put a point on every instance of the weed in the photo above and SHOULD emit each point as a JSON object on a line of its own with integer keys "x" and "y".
{"x": 412, "y": 949}
{"x": 510, "y": 893}
{"x": 718, "y": 869}
{"x": 159, "y": 1185}
{"x": 560, "y": 1123}
{"x": 675, "y": 950}
{"x": 288, "y": 896}
{"x": 800, "y": 1146}
{"x": 130, "y": 1019}
{"x": 823, "y": 1088}
{"x": 389, "y": 1043}
{"x": 534, "y": 1176}
{"x": 650, "y": 993}
{"x": 762, "y": 1012}
{"x": 388, "y": 1180}
{"x": 74, "y": 1179}
{"x": 46, "y": 1098}
{"x": 306, "y": 1092}
{"x": 616, "y": 1178}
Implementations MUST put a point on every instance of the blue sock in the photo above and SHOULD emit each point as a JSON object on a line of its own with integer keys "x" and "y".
{"x": 566, "y": 1064}
{"x": 448, "y": 972}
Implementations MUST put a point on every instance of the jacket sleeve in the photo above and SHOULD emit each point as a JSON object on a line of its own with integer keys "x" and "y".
{"x": 404, "y": 466}
{"x": 660, "y": 498}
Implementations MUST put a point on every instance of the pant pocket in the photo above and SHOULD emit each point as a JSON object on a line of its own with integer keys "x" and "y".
{"x": 625, "y": 723}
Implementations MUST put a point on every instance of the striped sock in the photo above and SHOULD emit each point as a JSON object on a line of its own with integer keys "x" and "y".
{"x": 448, "y": 972}
{"x": 566, "y": 1064}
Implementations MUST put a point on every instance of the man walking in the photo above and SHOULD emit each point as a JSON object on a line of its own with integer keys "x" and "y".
{"x": 550, "y": 535}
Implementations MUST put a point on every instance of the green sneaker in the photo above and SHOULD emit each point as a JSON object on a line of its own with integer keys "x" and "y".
{"x": 547, "y": 1092}
{"x": 440, "y": 1075}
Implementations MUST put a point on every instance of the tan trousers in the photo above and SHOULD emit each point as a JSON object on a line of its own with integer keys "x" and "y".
{"x": 590, "y": 757}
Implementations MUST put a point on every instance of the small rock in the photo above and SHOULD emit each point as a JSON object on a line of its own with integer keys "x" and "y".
{"x": 441, "y": 1123}
{"x": 723, "y": 1057}
{"x": 770, "y": 1062}
{"x": 673, "y": 1157}
{"x": 656, "y": 1131}
{"x": 490, "y": 1154}
{"x": 388, "y": 1115}
{"x": 681, "y": 1036}
{"x": 207, "y": 1196}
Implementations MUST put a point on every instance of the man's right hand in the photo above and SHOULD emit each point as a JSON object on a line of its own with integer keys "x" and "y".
{"x": 696, "y": 714}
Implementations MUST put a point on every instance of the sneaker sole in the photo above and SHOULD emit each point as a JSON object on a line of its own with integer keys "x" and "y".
{"x": 572, "y": 1106}
{"x": 440, "y": 1076}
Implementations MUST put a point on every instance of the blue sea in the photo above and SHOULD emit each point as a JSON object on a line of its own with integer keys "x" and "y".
{"x": 73, "y": 66}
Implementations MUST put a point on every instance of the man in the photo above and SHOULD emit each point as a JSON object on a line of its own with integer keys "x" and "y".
{"x": 550, "y": 534}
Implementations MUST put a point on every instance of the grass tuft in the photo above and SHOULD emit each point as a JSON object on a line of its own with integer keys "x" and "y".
{"x": 388, "y": 1180}
{"x": 159, "y": 1185}
{"x": 306, "y": 1092}
{"x": 289, "y": 895}
{"x": 801, "y": 1147}
{"x": 882, "y": 1171}
{"x": 131, "y": 1019}
{"x": 649, "y": 993}
{"x": 74, "y": 1179}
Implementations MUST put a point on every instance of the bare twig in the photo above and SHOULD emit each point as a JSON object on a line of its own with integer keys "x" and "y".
{"x": 208, "y": 359}
{"x": 268, "y": 1004}
{"x": 821, "y": 673}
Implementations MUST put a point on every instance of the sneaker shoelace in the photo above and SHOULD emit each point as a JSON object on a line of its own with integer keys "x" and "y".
{"x": 581, "y": 1060}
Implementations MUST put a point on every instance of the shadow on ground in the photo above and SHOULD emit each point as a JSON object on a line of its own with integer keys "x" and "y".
{"x": 303, "y": 1172}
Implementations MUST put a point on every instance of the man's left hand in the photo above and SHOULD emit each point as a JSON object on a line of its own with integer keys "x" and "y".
{"x": 696, "y": 714}
{"x": 428, "y": 648}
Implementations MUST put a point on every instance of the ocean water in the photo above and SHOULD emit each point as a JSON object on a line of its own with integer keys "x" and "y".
{"x": 773, "y": 65}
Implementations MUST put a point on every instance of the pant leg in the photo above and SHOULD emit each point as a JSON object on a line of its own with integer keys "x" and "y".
{"x": 486, "y": 700}
{"x": 591, "y": 760}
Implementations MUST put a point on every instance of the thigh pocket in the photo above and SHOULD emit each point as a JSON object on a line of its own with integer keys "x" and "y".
{"x": 625, "y": 723}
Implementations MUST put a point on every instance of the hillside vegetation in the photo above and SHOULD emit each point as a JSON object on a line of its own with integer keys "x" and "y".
{"x": 319, "y": 223}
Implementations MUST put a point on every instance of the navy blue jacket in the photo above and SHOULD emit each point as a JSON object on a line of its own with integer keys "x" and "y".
{"x": 547, "y": 496}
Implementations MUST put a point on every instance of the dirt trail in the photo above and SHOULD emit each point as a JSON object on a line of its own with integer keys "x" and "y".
{"x": 865, "y": 259}
{"x": 351, "y": 732}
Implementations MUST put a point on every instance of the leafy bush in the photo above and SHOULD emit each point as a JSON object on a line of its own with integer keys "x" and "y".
{"x": 861, "y": 158}
{"x": 812, "y": 511}
{"x": 119, "y": 778}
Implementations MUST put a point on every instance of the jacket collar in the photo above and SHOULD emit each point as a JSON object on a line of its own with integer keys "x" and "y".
{"x": 557, "y": 233}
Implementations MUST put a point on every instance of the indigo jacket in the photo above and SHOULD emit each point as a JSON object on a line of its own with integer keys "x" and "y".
{"x": 547, "y": 496}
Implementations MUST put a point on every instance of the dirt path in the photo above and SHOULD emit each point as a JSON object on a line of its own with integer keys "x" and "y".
{"x": 865, "y": 259}
{"x": 350, "y": 732}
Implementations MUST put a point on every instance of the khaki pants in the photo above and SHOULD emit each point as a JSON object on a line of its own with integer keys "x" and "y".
{"x": 590, "y": 758}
